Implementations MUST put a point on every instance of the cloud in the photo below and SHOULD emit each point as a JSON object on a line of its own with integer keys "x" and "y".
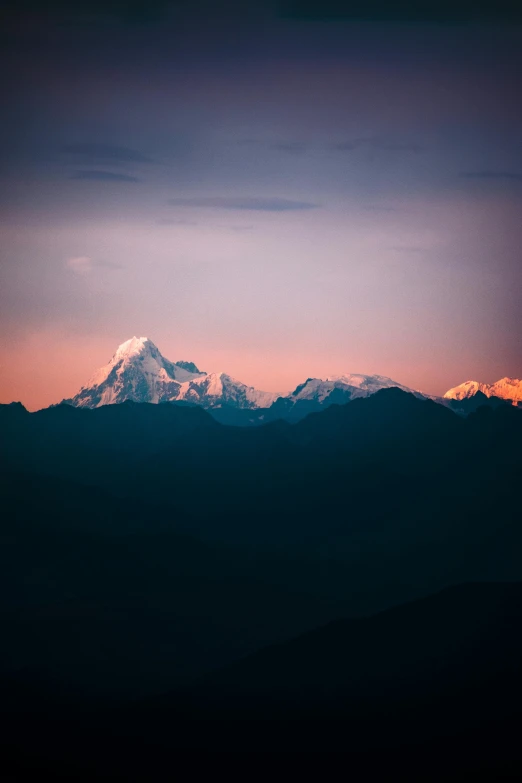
{"x": 176, "y": 222}
{"x": 292, "y": 147}
{"x": 239, "y": 229}
{"x": 106, "y": 153}
{"x": 343, "y": 146}
{"x": 80, "y": 265}
{"x": 103, "y": 176}
{"x": 379, "y": 208}
{"x": 377, "y": 143}
{"x": 492, "y": 174}
{"x": 395, "y": 146}
{"x": 256, "y": 203}
{"x": 84, "y": 265}
{"x": 346, "y": 145}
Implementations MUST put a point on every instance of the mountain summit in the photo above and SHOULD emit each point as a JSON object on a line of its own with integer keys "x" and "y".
{"x": 139, "y": 372}
{"x": 505, "y": 388}
{"x": 351, "y": 385}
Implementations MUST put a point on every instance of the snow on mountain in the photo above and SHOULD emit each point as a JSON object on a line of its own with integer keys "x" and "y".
{"x": 139, "y": 372}
{"x": 369, "y": 384}
{"x": 467, "y": 389}
{"x": 313, "y": 389}
{"x": 217, "y": 389}
{"x": 505, "y": 388}
{"x": 353, "y": 385}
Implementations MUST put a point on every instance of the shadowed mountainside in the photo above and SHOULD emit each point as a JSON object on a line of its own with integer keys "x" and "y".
{"x": 148, "y": 509}
{"x": 143, "y": 546}
{"x": 429, "y": 689}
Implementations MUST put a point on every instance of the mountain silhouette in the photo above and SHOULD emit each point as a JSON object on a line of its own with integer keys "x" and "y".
{"x": 144, "y": 546}
{"x": 428, "y": 686}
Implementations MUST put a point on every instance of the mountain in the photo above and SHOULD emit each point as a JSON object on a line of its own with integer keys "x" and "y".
{"x": 505, "y": 388}
{"x": 467, "y": 405}
{"x": 381, "y": 464}
{"x": 438, "y": 672}
{"x": 87, "y": 576}
{"x": 359, "y": 386}
{"x": 137, "y": 372}
{"x": 217, "y": 389}
{"x": 140, "y": 373}
{"x": 142, "y": 545}
{"x": 467, "y": 389}
{"x": 425, "y": 689}
{"x": 341, "y": 388}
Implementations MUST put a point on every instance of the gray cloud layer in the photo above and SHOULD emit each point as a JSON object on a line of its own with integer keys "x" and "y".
{"x": 106, "y": 152}
{"x": 377, "y": 143}
{"x": 295, "y": 147}
{"x": 257, "y": 203}
{"x": 104, "y": 176}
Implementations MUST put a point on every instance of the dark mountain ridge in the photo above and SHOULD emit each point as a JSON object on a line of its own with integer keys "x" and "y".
{"x": 144, "y": 545}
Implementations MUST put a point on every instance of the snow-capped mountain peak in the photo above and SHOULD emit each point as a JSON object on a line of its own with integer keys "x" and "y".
{"x": 139, "y": 372}
{"x": 132, "y": 347}
{"x": 217, "y": 389}
{"x": 352, "y": 385}
{"x": 367, "y": 383}
{"x": 505, "y": 388}
{"x": 508, "y": 389}
{"x": 467, "y": 389}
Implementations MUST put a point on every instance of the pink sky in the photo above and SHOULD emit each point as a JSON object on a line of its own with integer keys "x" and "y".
{"x": 275, "y": 201}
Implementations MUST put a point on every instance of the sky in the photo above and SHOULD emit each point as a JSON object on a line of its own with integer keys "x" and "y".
{"x": 278, "y": 190}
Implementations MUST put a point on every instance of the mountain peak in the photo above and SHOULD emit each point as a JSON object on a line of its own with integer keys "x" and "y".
{"x": 138, "y": 372}
{"x": 133, "y": 347}
{"x": 466, "y": 389}
{"x": 505, "y": 388}
{"x": 352, "y": 385}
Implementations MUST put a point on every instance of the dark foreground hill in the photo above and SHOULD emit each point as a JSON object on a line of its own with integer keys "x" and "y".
{"x": 159, "y": 544}
{"x": 377, "y": 475}
{"x": 107, "y": 596}
{"x": 145, "y": 546}
{"x": 431, "y": 689}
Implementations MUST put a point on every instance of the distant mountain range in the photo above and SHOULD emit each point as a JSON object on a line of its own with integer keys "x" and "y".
{"x": 140, "y": 373}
